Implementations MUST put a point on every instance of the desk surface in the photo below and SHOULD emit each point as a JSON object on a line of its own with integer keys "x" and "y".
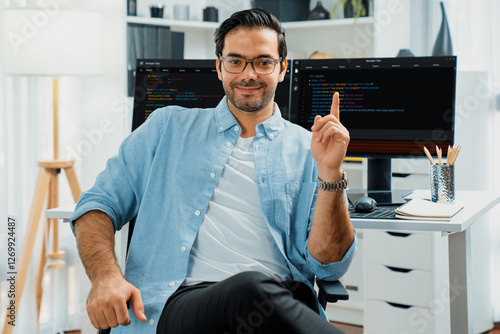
{"x": 62, "y": 212}
{"x": 476, "y": 203}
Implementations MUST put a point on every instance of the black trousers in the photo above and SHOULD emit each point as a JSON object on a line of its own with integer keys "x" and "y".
{"x": 247, "y": 303}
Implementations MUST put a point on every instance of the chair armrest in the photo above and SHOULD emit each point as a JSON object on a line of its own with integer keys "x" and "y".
{"x": 331, "y": 292}
{"x": 104, "y": 331}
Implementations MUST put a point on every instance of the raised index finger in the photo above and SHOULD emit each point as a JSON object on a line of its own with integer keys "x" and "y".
{"x": 334, "y": 109}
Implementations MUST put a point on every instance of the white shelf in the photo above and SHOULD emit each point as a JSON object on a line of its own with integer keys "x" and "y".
{"x": 315, "y": 24}
{"x": 177, "y": 25}
{"x": 184, "y": 25}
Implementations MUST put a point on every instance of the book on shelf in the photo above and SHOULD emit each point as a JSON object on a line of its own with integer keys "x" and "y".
{"x": 151, "y": 42}
{"x": 420, "y": 209}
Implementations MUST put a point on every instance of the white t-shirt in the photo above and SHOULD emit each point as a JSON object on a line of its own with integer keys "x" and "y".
{"x": 234, "y": 236}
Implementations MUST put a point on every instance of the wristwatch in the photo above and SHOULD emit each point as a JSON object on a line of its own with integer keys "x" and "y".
{"x": 333, "y": 186}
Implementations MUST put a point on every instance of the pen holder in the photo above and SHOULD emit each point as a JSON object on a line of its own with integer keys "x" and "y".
{"x": 443, "y": 183}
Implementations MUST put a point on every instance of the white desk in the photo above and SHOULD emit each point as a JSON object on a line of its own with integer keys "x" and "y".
{"x": 476, "y": 204}
{"x": 62, "y": 212}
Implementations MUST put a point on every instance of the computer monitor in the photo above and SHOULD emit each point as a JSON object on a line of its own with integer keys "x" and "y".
{"x": 392, "y": 107}
{"x": 186, "y": 83}
{"x": 163, "y": 82}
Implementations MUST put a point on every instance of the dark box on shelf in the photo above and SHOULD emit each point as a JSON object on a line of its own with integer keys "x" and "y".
{"x": 285, "y": 10}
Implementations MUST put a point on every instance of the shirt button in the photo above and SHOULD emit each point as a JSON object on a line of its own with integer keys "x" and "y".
{"x": 271, "y": 135}
{"x": 212, "y": 175}
{"x": 151, "y": 322}
{"x": 261, "y": 180}
{"x": 172, "y": 283}
{"x": 197, "y": 212}
{"x": 228, "y": 144}
{"x": 236, "y": 128}
{"x": 221, "y": 128}
{"x": 183, "y": 249}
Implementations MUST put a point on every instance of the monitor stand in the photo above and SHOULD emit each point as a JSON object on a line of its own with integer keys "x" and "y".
{"x": 379, "y": 183}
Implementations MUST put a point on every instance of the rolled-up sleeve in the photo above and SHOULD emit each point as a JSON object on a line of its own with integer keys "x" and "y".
{"x": 334, "y": 270}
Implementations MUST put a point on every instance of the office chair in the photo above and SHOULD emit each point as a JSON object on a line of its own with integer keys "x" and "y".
{"x": 329, "y": 291}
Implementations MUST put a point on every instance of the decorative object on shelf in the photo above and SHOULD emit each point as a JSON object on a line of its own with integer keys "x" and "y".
{"x": 405, "y": 53}
{"x": 442, "y": 45}
{"x": 181, "y": 12}
{"x": 285, "y": 10}
{"x": 211, "y": 14}
{"x": 157, "y": 10}
{"x": 319, "y": 13}
{"x": 68, "y": 46}
{"x": 353, "y": 8}
{"x": 132, "y": 7}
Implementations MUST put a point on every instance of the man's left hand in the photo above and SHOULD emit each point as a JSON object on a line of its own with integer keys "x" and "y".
{"x": 329, "y": 142}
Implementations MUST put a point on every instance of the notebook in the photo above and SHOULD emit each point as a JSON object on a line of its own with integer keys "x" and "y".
{"x": 420, "y": 209}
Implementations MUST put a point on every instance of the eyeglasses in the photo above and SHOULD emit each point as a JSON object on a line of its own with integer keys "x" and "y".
{"x": 261, "y": 65}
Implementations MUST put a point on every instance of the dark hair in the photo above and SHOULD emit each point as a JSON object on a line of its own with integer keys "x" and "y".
{"x": 251, "y": 18}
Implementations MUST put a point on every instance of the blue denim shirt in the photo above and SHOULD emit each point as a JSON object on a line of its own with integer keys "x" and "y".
{"x": 165, "y": 174}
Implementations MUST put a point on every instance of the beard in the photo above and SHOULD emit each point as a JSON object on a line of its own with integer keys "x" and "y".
{"x": 247, "y": 103}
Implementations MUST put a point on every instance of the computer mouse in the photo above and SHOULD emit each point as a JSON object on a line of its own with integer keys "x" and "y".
{"x": 364, "y": 204}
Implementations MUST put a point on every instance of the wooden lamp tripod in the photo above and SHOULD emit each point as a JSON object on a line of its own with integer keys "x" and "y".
{"x": 68, "y": 45}
{"x": 46, "y": 189}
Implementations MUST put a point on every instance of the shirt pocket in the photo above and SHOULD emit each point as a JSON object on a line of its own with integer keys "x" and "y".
{"x": 300, "y": 198}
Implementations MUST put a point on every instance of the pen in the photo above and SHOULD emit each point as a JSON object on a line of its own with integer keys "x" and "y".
{"x": 428, "y": 154}
{"x": 454, "y": 154}
{"x": 451, "y": 155}
{"x": 439, "y": 154}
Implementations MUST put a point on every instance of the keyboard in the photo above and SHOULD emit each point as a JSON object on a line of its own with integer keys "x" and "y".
{"x": 380, "y": 212}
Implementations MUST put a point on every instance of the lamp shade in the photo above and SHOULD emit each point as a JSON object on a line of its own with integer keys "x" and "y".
{"x": 51, "y": 42}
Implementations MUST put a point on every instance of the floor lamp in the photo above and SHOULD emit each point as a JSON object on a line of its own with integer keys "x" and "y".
{"x": 54, "y": 43}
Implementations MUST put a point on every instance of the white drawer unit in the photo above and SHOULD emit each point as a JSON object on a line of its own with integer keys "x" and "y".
{"x": 406, "y": 277}
{"x": 391, "y": 318}
{"x": 400, "y": 249}
{"x": 403, "y": 286}
{"x": 410, "y": 174}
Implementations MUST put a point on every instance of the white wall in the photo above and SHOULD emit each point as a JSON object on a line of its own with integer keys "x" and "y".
{"x": 92, "y": 124}
{"x": 96, "y": 125}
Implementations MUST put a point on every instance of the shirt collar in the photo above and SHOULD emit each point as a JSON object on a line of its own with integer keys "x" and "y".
{"x": 273, "y": 125}
{"x": 224, "y": 118}
{"x": 270, "y": 127}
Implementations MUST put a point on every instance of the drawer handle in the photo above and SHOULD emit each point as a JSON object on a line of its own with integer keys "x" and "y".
{"x": 399, "y": 270}
{"x": 403, "y": 175}
{"x": 403, "y": 306}
{"x": 351, "y": 287}
{"x": 398, "y": 234}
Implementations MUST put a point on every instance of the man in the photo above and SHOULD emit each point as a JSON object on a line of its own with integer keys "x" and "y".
{"x": 230, "y": 225}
